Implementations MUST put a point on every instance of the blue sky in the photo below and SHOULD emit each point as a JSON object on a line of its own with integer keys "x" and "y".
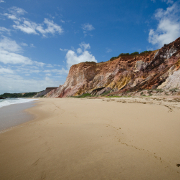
{"x": 40, "y": 40}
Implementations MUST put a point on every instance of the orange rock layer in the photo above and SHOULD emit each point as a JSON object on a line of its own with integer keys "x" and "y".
{"x": 126, "y": 73}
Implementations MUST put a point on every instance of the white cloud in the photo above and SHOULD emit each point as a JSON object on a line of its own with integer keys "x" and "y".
{"x": 9, "y": 45}
{"x": 26, "y": 78}
{"x": 6, "y": 71}
{"x": 24, "y": 44}
{"x": 27, "y": 69}
{"x": 1, "y": 1}
{"x": 48, "y": 74}
{"x": 7, "y": 57}
{"x": 4, "y": 30}
{"x": 10, "y": 53}
{"x": 26, "y": 27}
{"x": 57, "y": 71}
{"x": 73, "y": 58}
{"x": 47, "y": 71}
{"x": 30, "y": 27}
{"x": 85, "y": 46}
{"x": 20, "y": 74}
{"x": 60, "y": 71}
{"x": 9, "y": 50}
{"x": 49, "y": 65}
{"x": 41, "y": 64}
{"x": 51, "y": 28}
{"x": 63, "y": 49}
{"x": 10, "y": 16}
{"x": 79, "y": 50}
{"x": 15, "y": 83}
{"x": 15, "y": 13}
{"x": 168, "y": 28}
{"x": 168, "y": 1}
{"x": 87, "y": 27}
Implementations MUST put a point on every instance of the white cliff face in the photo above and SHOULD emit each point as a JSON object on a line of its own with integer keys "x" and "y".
{"x": 173, "y": 81}
{"x": 156, "y": 54}
{"x": 168, "y": 53}
{"x": 140, "y": 65}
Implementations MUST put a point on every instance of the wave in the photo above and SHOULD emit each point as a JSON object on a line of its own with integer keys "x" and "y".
{"x": 10, "y": 101}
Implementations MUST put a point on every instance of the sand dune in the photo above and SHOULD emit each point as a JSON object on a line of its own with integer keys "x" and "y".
{"x": 94, "y": 139}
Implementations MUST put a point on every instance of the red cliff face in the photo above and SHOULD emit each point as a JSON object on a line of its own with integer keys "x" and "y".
{"x": 159, "y": 68}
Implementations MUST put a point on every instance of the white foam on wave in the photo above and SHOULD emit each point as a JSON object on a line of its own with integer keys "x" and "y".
{"x": 10, "y": 101}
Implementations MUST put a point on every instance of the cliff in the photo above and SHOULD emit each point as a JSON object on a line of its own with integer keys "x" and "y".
{"x": 44, "y": 92}
{"x": 158, "y": 69}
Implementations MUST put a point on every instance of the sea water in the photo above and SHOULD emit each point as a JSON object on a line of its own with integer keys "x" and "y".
{"x": 12, "y": 112}
{"x": 10, "y": 101}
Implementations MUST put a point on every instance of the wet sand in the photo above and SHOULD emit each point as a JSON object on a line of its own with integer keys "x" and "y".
{"x": 73, "y": 139}
{"x": 14, "y": 115}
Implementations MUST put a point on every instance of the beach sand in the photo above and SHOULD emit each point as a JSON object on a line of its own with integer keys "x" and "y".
{"x": 96, "y": 139}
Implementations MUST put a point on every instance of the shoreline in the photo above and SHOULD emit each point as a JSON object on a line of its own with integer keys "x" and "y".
{"x": 73, "y": 138}
{"x": 14, "y": 115}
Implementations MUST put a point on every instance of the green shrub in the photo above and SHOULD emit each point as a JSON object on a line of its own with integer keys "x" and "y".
{"x": 159, "y": 90}
{"x": 18, "y": 95}
{"x": 113, "y": 58}
{"x": 83, "y": 95}
{"x": 105, "y": 93}
{"x": 135, "y": 53}
{"x": 124, "y": 54}
{"x": 145, "y": 52}
{"x": 173, "y": 90}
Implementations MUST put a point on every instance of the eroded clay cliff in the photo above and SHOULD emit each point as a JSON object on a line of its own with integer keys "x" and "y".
{"x": 157, "y": 69}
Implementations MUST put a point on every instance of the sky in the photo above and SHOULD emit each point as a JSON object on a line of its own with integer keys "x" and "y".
{"x": 41, "y": 40}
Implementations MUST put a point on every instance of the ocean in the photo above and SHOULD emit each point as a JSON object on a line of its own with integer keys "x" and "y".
{"x": 10, "y": 101}
{"x": 12, "y": 112}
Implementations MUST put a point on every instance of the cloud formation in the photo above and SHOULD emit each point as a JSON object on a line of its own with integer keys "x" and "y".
{"x": 24, "y": 44}
{"x": 30, "y": 27}
{"x": 63, "y": 49}
{"x": 26, "y": 26}
{"x": 21, "y": 74}
{"x": 6, "y": 71}
{"x": 168, "y": 28}
{"x": 87, "y": 27}
{"x": 1, "y": 1}
{"x": 57, "y": 71}
{"x": 14, "y": 13}
{"x": 15, "y": 83}
{"x": 83, "y": 55}
{"x": 9, "y": 53}
{"x": 9, "y": 45}
{"x": 84, "y": 46}
{"x": 166, "y": 1}
{"x": 4, "y": 30}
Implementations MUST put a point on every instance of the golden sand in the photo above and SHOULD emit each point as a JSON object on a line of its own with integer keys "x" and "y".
{"x": 74, "y": 139}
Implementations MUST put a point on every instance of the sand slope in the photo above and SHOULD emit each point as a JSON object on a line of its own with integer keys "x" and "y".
{"x": 73, "y": 139}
